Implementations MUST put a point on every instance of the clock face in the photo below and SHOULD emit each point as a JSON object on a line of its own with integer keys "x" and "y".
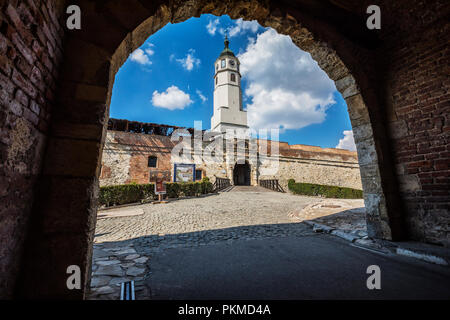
{"x": 232, "y": 63}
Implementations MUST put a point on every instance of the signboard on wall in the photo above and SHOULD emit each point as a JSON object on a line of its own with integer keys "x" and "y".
{"x": 160, "y": 186}
{"x": 155, "y": 174}
{"x": 184, "y": 172}
{"x": 159, "y": 177}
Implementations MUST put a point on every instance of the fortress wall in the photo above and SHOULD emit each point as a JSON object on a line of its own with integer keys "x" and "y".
{"x": 125, "y": 160}
{"x": 317, "y": 171}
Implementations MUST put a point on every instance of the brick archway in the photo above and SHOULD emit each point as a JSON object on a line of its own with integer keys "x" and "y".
{"x": 332, "y": 32}
{"x": 92, "y": 58}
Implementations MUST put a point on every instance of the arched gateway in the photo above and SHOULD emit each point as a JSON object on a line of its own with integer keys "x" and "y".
{"x": 241, "y": 174}
{"x": 392, "y": 80}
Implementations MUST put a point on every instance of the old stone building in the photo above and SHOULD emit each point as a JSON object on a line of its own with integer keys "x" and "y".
{"x": 56, "y": 88}
{"x": 131, "y": 156}
{"x": 133, "y": 150}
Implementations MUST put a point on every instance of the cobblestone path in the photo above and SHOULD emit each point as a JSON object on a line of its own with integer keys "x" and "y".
{"x": 216, "y": 211}
{"x": 123, "y": 246}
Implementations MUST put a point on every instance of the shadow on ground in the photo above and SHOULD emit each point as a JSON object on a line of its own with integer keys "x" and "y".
{"x": 278, "y": 261}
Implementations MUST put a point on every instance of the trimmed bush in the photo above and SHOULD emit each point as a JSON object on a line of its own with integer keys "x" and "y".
{"x": 311, "y": 189}
{"x": 206, "y": 186}
{"x": 131, "y": 193}
{"x": 125, "y": 193}
{"x": 173, "y": 190}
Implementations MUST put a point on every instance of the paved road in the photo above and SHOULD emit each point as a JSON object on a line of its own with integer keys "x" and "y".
{"x": 303, "y": 266}
{"x": 127, "y": 238}
{"x": 244, "y": 244}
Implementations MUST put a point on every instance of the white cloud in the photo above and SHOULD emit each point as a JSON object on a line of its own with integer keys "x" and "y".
{"x": 190, "y": 61}
{"x": 348, "y": 142}
{"x": 201, "y": 96}
{"x": 241, "y": 26}
{"x": 211, "y": 27}
{"x": 142, "y": 56}
{"x": 173, "y": 98}
{"x": 286, "y": 87}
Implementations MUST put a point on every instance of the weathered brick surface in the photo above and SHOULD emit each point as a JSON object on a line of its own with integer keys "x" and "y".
{"x": 27, "y": 60}
{"x": 417, "y": 90}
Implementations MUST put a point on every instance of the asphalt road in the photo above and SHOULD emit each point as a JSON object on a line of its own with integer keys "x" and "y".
{"x": 312, "y": 266}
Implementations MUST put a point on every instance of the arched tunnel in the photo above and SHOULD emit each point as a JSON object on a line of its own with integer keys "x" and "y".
{"x": 56, "y": 89}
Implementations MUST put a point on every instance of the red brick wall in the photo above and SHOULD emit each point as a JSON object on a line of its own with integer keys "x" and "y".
{"x": 417, "y": 87}
{"x": 138, "y": 147}
{"x": 30, "y": 52}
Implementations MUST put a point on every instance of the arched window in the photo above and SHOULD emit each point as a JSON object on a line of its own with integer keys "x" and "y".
{"x": 223, "y": 63}
{"x": 152, "y": 160}
{"x": 233, "y": 77}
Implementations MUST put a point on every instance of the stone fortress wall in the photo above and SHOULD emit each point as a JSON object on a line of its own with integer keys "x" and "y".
{"x": 125, "y": 160}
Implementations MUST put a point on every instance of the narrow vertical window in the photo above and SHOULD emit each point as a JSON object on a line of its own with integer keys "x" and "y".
{"x": 241, "y": 108}
{"x": 233, "y": 77}
{"x": 152, "y": 160}
{"x": 198, "y": 175}
{"x": 223, "y": 63}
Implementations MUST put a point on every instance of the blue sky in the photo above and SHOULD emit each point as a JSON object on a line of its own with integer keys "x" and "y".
{"x": 169, "y": 80}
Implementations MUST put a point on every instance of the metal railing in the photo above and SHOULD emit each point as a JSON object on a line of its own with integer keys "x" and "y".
{"x": 220, "y": 184}
{"x": 272, "y": 184}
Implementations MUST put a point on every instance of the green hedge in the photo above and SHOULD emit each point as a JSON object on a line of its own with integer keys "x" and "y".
{"x": 311, "y": 189}
{"x": 189, "y": 189}
{"x": 130, "y": 193}
{"x": 126, "y": 193}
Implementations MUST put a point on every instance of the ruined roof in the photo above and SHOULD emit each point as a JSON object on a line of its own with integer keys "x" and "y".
{"x": 296, "y": 150}
{"x": 144, "y": 127}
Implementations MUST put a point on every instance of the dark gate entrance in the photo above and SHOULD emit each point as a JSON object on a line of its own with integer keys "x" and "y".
{"x": 241, "y": 174}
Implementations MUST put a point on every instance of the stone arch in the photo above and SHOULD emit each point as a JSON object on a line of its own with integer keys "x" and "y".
{"x": 110, "y": 32}
{"x": 379, "y": 224}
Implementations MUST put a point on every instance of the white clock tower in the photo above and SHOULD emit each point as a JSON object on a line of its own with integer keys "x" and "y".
{"x": 228, "y": 111}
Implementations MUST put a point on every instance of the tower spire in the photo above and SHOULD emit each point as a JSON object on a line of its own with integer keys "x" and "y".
{"x": 226, "y": 42}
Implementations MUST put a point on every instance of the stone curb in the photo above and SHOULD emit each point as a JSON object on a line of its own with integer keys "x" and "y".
{"x": 317, "y": 227}
{"x": 422, "y": 256}
{"x": 345, "y": 235}
{"x": 390, "y": 247}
